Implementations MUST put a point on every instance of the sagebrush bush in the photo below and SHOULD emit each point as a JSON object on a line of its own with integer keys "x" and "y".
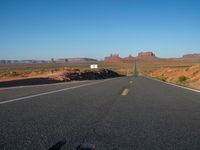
{"x": 182, "y": 78}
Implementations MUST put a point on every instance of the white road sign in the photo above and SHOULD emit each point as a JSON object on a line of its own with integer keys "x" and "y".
{"x": 93, "y": 66}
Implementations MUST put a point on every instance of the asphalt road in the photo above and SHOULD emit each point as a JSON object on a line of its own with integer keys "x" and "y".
{"x": 150, "y": 116}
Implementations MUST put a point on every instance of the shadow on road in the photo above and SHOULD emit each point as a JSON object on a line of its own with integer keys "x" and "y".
{"x": 31, "y": 81}
{"x": 58, "y": 145}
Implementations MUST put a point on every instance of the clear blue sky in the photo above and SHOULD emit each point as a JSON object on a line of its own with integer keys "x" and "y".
{"x": 41, "y": 29}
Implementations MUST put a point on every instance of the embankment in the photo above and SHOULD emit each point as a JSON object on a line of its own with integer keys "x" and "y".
{"x": 65, "y": 76}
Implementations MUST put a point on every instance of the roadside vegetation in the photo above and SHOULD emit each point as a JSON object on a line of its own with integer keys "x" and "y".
{"x": 182, "y": 79}
{"x": 160, "y": 78}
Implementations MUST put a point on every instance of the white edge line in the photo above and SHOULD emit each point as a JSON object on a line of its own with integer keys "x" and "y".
{"x": 55, "y": 91}
{"x": 194, "y": 90}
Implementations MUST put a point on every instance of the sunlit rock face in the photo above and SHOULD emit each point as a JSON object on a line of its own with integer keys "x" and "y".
{"x": 113, "y": 58}
{"x": 146, "y": 55}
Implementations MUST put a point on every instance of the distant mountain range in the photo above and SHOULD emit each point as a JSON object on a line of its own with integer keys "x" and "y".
{"x": 62, "y": 60}
{"x": 23, "y": 61}
{"x": 113, "y": 58}
{"x": 74, "y": 60}
{"x": 191, "y": 56}
{"x": 144, "y": 56}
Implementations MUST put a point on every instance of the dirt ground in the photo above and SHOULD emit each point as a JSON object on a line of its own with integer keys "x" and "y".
{"x": 186, "y": 76}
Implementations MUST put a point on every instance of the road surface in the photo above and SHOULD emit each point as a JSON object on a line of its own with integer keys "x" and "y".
{"x": 125, "y": 113}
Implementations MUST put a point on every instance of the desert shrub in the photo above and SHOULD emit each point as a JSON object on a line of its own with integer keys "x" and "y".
{"x": 14, "y": 73}
{"x": 195, "y": 72}
{"x": 193, "y": 80}
{"x": 161, "y": 78}
{"x": 182, "y": 78}
{"x": 52, "y": 71}
{"x": 77, "y": 70}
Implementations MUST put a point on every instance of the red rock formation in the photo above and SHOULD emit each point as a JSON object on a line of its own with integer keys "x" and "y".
{"x": 130, "y": 58}
{"x": 146, "y": 55}
{"x": 113, "y": 58}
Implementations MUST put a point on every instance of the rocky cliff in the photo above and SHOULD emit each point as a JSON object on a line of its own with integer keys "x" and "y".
{"x": 146, "y": 55}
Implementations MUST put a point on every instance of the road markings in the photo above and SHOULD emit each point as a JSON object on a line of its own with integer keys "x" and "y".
{"x": 55, "y": 91}
{"x": 131, "y": 82}
{"x": 125, "y": 92}
{"x": 190, "y": 89}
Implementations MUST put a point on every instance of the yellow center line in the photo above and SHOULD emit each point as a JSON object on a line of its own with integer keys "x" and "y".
{"x": 125, "y": 92}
